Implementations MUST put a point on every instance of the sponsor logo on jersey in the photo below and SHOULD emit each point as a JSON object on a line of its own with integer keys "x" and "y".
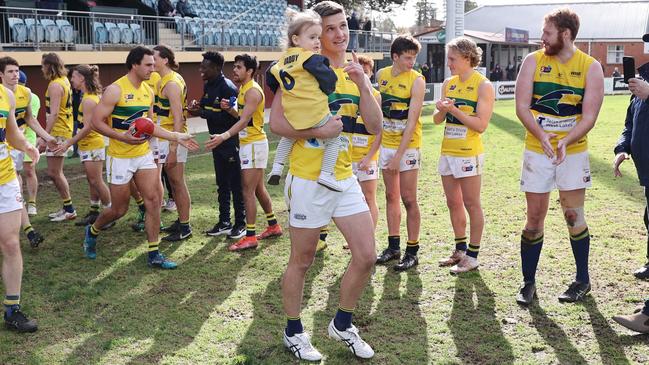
{"x": 575, "y": 73}
{"x": 546, "y": 69}
{"x": 384, "y": 82}
{"x": 452, "y": 87}
{"x": 299, "y": 216}
{"x": 128, "y": 97}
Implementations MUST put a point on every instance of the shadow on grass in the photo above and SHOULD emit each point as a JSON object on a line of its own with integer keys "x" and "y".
{"x": 162, "y": 312}
{"x": 601, "y": 169}
{"x": 554, "y": 336}
{"x": 397, "y": 329}
{"x": 262, "y": 343}
{"x": 476, "y": 331}
{"x": 610, "y": 347}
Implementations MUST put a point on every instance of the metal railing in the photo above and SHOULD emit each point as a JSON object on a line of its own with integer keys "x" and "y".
{"x": 28, "y": 29}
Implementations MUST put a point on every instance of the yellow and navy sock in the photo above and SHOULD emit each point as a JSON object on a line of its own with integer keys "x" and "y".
{"x": 140, "y": 204}
{"x": 580, "y": 244}
{"x": 29, "y": 231}
{"x": 324, "y": 232}
{"x": 343, "y": 318}
{"x": 460, "y": 243}
{"x": 293, "y": 326}
{"x": 250, "y": 230}
{"x": 412, "y": 246}
{"x": 94, "y": 231}
{"x": 530, "y": 254}
{"x": 67, "y": 205}
{"x": 473, "y": 250}
{"x": 94, "y": 206}
{"x": 31, "y": 201}
{"x": 11, "y": 303}
{"x": 270, "y": 218}
{"x": 153, "y": 249}
{"x": 393, "y": 242}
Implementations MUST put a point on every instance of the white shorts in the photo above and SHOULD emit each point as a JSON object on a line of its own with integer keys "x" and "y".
{"x": 254, "y": 155}
{"x": 60, "y": 140}
{"x": 10, "y": 197}
{"x": 411, "y": 159}
{"x": 17, "y": 157}
{"x": 460, "y": 167}
{"x": 93, "y": 155}
{"x": 372, "y": 172}
{"x": 163, "y": 148}
{"x": 312, "y": 205}
{"x": 154, "y": 147}
{"x": 120, "y": 171}
{"x": 539, "y": 175}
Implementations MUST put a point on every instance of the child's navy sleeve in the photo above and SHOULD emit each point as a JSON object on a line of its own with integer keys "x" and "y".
{"x": 271, "y": 81}
{"x": 318, "y": 66}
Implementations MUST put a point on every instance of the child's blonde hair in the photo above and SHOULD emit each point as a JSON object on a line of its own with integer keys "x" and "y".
{"x": 297, "y": 22}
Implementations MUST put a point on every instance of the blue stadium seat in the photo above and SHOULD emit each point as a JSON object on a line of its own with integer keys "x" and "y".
{"x": 18, "y": 30}
{"x": 35, "y": 31}
{"x": 114, "y": 33}
{"x": 138, "y": 34}
{"x": 51, "y": 30}
{"x": 66, "y": 31}
{"x": 101, "y": 34}
{"x": 126, "y": 33}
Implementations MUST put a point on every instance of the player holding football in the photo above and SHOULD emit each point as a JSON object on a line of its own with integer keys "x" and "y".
{"x": 129, "y": 156}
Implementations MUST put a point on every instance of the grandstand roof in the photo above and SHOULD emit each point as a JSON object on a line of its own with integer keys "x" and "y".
{"x": 599, "y": 20}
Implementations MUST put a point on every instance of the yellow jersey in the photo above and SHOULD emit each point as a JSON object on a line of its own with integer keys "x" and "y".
{"x": 254, "y": 131}
{"x": 459, "y": 140}
{"x": 558, "y": 94}
{"x": 164, "y": 112}
{"x": 133, "y": 103}
{"x": 306, "y": 79}
{"x": 7, "y": 172}
{"x": 306, "y": 155}
{"x": 362, "y": 140}
{"x": 22, "y": 96}
{"x": 64, "y": 124}
{"x": 93, "y": 140}
{"x": 395, "y": 104}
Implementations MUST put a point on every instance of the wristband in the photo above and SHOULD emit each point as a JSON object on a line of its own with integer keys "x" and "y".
{"x": 226, "y": 135}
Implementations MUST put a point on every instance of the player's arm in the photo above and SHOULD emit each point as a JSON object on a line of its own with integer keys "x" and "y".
{"x": 88, "y": 107}
{"x": 414, "y": 112}
{"x": 374, "y": 147}
{"x": 624, "y": 142}
{"x": 593, "y": 98}
{"x": 369, "y": 109}
{"x": 318, "y": 66}
{"x": 55, "y": 92}
{"x": 102, "y": 112}
{"x": 31, "y": 121}
{"x": 253, "y": 98}
{"x": 441, "y": 110}
{"x": 14, "y": 136}
{"x": 280, "y": 126}
{"x": 485, "y": 108}
{"x": 225, "y": 102}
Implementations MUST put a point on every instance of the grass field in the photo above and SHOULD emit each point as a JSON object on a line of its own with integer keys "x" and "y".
{"x": 225, "y": 308}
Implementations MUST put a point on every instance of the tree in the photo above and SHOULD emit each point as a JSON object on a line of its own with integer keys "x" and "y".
{"x": 379, "y": 5}
{"x": 426, "y": 12}
{"x": 469, "y": 5}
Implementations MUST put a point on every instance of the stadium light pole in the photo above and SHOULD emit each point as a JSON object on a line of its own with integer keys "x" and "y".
{"x": 454, "y": 25}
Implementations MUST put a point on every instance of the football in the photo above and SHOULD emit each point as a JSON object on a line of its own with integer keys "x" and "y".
{"x": 142, "y": 127}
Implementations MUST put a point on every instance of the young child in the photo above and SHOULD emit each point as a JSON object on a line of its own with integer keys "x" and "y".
{"x": 306, "y": 81}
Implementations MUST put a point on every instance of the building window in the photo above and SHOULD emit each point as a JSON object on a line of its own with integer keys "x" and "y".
{"x": 614, "y": 54}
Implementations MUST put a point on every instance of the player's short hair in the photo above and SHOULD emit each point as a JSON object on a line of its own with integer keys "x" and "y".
{"x": 404, "y": 43}
{"x": 215, "y": 57}
{"x": 168, "y": 53}
{"x": 564, "y": 18}
{"x": 297, "y": 23}
{"x": 328, "y": 8}
{"x": 54, "y": 66}
{"x": 6, "y": 61}
{"x": 249, "y": 62}
{"x": 467, "y": 49}
{"x": 91, "y": 77}
{"x": 136, "y": 55}
{"x": 366, "y": 61}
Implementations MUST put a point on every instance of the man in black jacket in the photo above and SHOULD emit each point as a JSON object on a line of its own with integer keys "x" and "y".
{"x": 218, "y": 93}
{"x": 633, "y": 143}
{"x": 184, "y": 9}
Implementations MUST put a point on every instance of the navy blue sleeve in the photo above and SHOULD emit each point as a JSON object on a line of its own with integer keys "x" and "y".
{"x": 624, "y": 143}
{"x": 318, "y": 66}
{"x": 271, "y": 81}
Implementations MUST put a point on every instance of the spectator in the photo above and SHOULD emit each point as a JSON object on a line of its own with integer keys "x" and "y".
{"x": 165, "y": 8}
{"x": 616, "y": 73}
{"x": 367, "y": 29}
{"x": 184, "y": 9}
{"x": 632, "y": 143}
{"x": 511, "y": 71}
{"x": 354, "y": 26}
{"x": 496, "y": 73}
{"x": 425, "y": 70}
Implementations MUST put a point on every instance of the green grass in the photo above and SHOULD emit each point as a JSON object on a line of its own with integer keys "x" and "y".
{"x": 225, "y": 308}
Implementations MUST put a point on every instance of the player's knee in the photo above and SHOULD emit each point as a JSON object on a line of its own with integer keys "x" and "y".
{"x": 532, "y": 234}
{"x": 472, "y": 205}
{"x": 10, "y": 247}
{"x": 391, "y": 197}
{"x": 574, "y": 217}
{"x": 409, "y": 200}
